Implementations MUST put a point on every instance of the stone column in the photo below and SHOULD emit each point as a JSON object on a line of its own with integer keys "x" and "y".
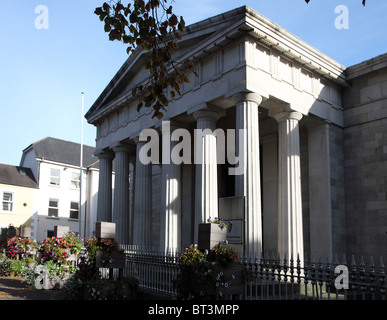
{"x": 206, "y": 180}
{"x": 290, "y": 233}
{"x": 142, "y": 201}
{"x": 104, "y": 207}
{"x": 132, "y": 179}
{"x": 121, "y": 193}
{"x": 248, "y": 180}
{"x": 170, "y": 196}
{"x": 320, "y": 207}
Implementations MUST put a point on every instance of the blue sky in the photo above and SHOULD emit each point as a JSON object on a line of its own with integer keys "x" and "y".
{"x": 44, "y": 71}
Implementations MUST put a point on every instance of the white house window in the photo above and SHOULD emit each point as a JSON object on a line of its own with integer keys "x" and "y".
{"x": 74, "y": 210}
{"x": 75, "y": 181}
{"x": 53, "y": 207}
{"x": 54, "y": 177}
{"x": 7, "y": 201}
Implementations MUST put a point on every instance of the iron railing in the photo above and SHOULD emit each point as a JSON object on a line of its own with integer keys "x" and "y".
{"x": 270, "y": 278}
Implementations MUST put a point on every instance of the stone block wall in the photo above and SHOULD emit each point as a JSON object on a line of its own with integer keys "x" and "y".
{"x": 337, "y": 184}
{"x": 365, "y": 154}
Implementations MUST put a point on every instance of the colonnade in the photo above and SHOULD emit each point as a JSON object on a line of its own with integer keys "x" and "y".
{"x": 247, "y": 185}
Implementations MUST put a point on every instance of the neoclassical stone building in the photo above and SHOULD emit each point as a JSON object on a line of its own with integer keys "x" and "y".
{"x": 307, "y": 185}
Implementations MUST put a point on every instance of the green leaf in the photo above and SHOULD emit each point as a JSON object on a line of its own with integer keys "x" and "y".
{"x": 147, "y": 46}
{"x": 172, "y": 20}
{"x": 107, "y": 27}
{"x": 98, "y": 11}
{"x": 159, "y": 115}
{"x": 106, "y": 6}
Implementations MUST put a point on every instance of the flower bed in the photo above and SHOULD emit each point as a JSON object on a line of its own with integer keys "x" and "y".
{"x": 20, "y": 248}
{"x": 58, "y": 250}
{"x": 96, "y": 244}
{"x": 209, "y": 273}
{"x": 102, "y": 289}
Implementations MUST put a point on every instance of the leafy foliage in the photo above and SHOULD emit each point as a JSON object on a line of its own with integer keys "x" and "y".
{"x": 220, "y": 221}
{"x": 54, "y": 249}
{"x": 152, "y": 26}
{"x": 23, "y": 247}
{"x": 94, "y": 244}
{"x": 205, "y": 269}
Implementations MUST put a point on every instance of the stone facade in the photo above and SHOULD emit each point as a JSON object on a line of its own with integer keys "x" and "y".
{"x": 365, "y": 154}
{"x": 312, "y": 180}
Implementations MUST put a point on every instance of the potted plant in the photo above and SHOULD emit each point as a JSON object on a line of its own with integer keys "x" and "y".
{"x": 212, "y": 233}
{"x": 209, "y": 274}
{"x": 20, "y": 248}
{"x": 107, "y": 253}
{"x": 71, "y": 242}
{"x": 60, "y": 250}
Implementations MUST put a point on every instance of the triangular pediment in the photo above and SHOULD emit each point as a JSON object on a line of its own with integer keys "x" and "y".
{"x": 203, "y": 38}
{"x": 132, "y": 71}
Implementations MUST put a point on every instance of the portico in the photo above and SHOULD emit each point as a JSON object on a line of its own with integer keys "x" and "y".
{"x": 282, "y": 99}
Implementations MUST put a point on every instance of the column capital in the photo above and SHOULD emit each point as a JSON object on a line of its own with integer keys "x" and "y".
{"x": 207, "y": 114}
{"x": 122, "y": 147}
{"x": 104, "y": 153}
{"x": 287, "y": 115}
{"x": 247, "y": 96}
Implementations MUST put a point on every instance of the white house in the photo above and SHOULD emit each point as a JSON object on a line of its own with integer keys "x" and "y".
{"x": 55, "y": 164}
{"x": 298, "y": 114}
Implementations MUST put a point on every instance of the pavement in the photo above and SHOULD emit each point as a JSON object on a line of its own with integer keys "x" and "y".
{"x": 16, "y": 288}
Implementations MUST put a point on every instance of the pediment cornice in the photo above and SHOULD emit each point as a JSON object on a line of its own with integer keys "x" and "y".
{"x": 199, "y": 40}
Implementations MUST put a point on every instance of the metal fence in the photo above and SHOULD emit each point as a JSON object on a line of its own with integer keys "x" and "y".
{"x": 276, "y": 279}
{"x": 155, "y": 269}
{"x": 271, "y": 278}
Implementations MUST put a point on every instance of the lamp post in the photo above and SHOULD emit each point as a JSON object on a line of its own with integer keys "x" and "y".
{"x": 80, "y": 173}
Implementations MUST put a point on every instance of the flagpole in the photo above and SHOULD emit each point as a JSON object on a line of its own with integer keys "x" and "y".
{"x": 80, "y": 174}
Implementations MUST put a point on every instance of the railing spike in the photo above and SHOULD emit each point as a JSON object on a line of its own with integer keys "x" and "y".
{"x": 353, "y": 261}
{"x": 344, "y": 259}
{"x": 372, "y": 264}
{"x": 336, "y": 260}
{"x": 381, "y": 263}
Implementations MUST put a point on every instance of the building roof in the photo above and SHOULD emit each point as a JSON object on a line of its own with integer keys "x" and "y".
{"x": 62, "y": 151}
{"x": 17, "y": 176}
{"x": 367, "y": 66}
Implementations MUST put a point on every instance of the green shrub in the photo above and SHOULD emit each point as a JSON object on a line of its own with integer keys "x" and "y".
{"x": 5, "y": 265}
